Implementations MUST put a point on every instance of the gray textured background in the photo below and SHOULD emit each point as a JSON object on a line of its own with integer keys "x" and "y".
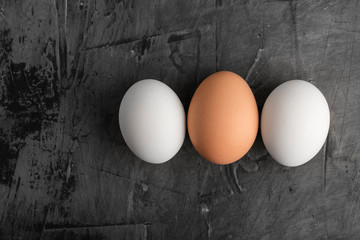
{"x": 65, "y": 171}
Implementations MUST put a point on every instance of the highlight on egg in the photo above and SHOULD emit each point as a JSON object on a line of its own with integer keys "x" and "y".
{"x": 223, "y": 118}
{"x": 295, "y": 122}
{"x": 152, "y": 121}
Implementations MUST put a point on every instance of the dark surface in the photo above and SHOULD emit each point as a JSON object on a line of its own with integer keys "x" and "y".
{"x": 65, "y": 171}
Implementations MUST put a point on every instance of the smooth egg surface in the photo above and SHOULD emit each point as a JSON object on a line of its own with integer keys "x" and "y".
{"x": 152, "y": 121}
{"x": 295, "y": 122}
{"x": 223, "y": 118}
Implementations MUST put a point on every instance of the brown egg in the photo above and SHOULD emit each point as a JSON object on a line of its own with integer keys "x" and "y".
{"x": 223, "y": 118}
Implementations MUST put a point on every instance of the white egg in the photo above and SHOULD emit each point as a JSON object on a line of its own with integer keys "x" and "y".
{"x": 152, "y": 121}
{"x": 295, "y": 122}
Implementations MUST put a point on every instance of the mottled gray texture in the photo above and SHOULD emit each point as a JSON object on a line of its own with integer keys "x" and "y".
{"x": 65, "y": 171}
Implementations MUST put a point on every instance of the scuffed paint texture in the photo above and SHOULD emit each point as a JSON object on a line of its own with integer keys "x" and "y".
{"x": 65, "y": 170}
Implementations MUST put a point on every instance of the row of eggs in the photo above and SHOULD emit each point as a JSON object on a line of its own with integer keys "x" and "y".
{"x": 223, "y": 120}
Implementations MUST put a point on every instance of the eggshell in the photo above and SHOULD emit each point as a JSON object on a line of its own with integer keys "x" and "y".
{"x": 152, "y": 121}
{"x": 223, "y": 118}
{"x": 295, "y": 122}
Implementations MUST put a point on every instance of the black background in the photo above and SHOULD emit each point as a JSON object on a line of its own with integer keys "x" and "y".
{"x": 65, "y": 171}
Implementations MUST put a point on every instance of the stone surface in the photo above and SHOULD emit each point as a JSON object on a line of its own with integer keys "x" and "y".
{"x": 65, "y": 171}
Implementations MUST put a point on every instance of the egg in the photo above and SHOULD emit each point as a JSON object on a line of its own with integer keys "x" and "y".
{"x": 223, "y": 118}
{"x": 152, "y": 121}
{"x": 295, "y": 122}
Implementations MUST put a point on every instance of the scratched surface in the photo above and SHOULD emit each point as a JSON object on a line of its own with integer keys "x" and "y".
{"x": 65, "y": 171}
